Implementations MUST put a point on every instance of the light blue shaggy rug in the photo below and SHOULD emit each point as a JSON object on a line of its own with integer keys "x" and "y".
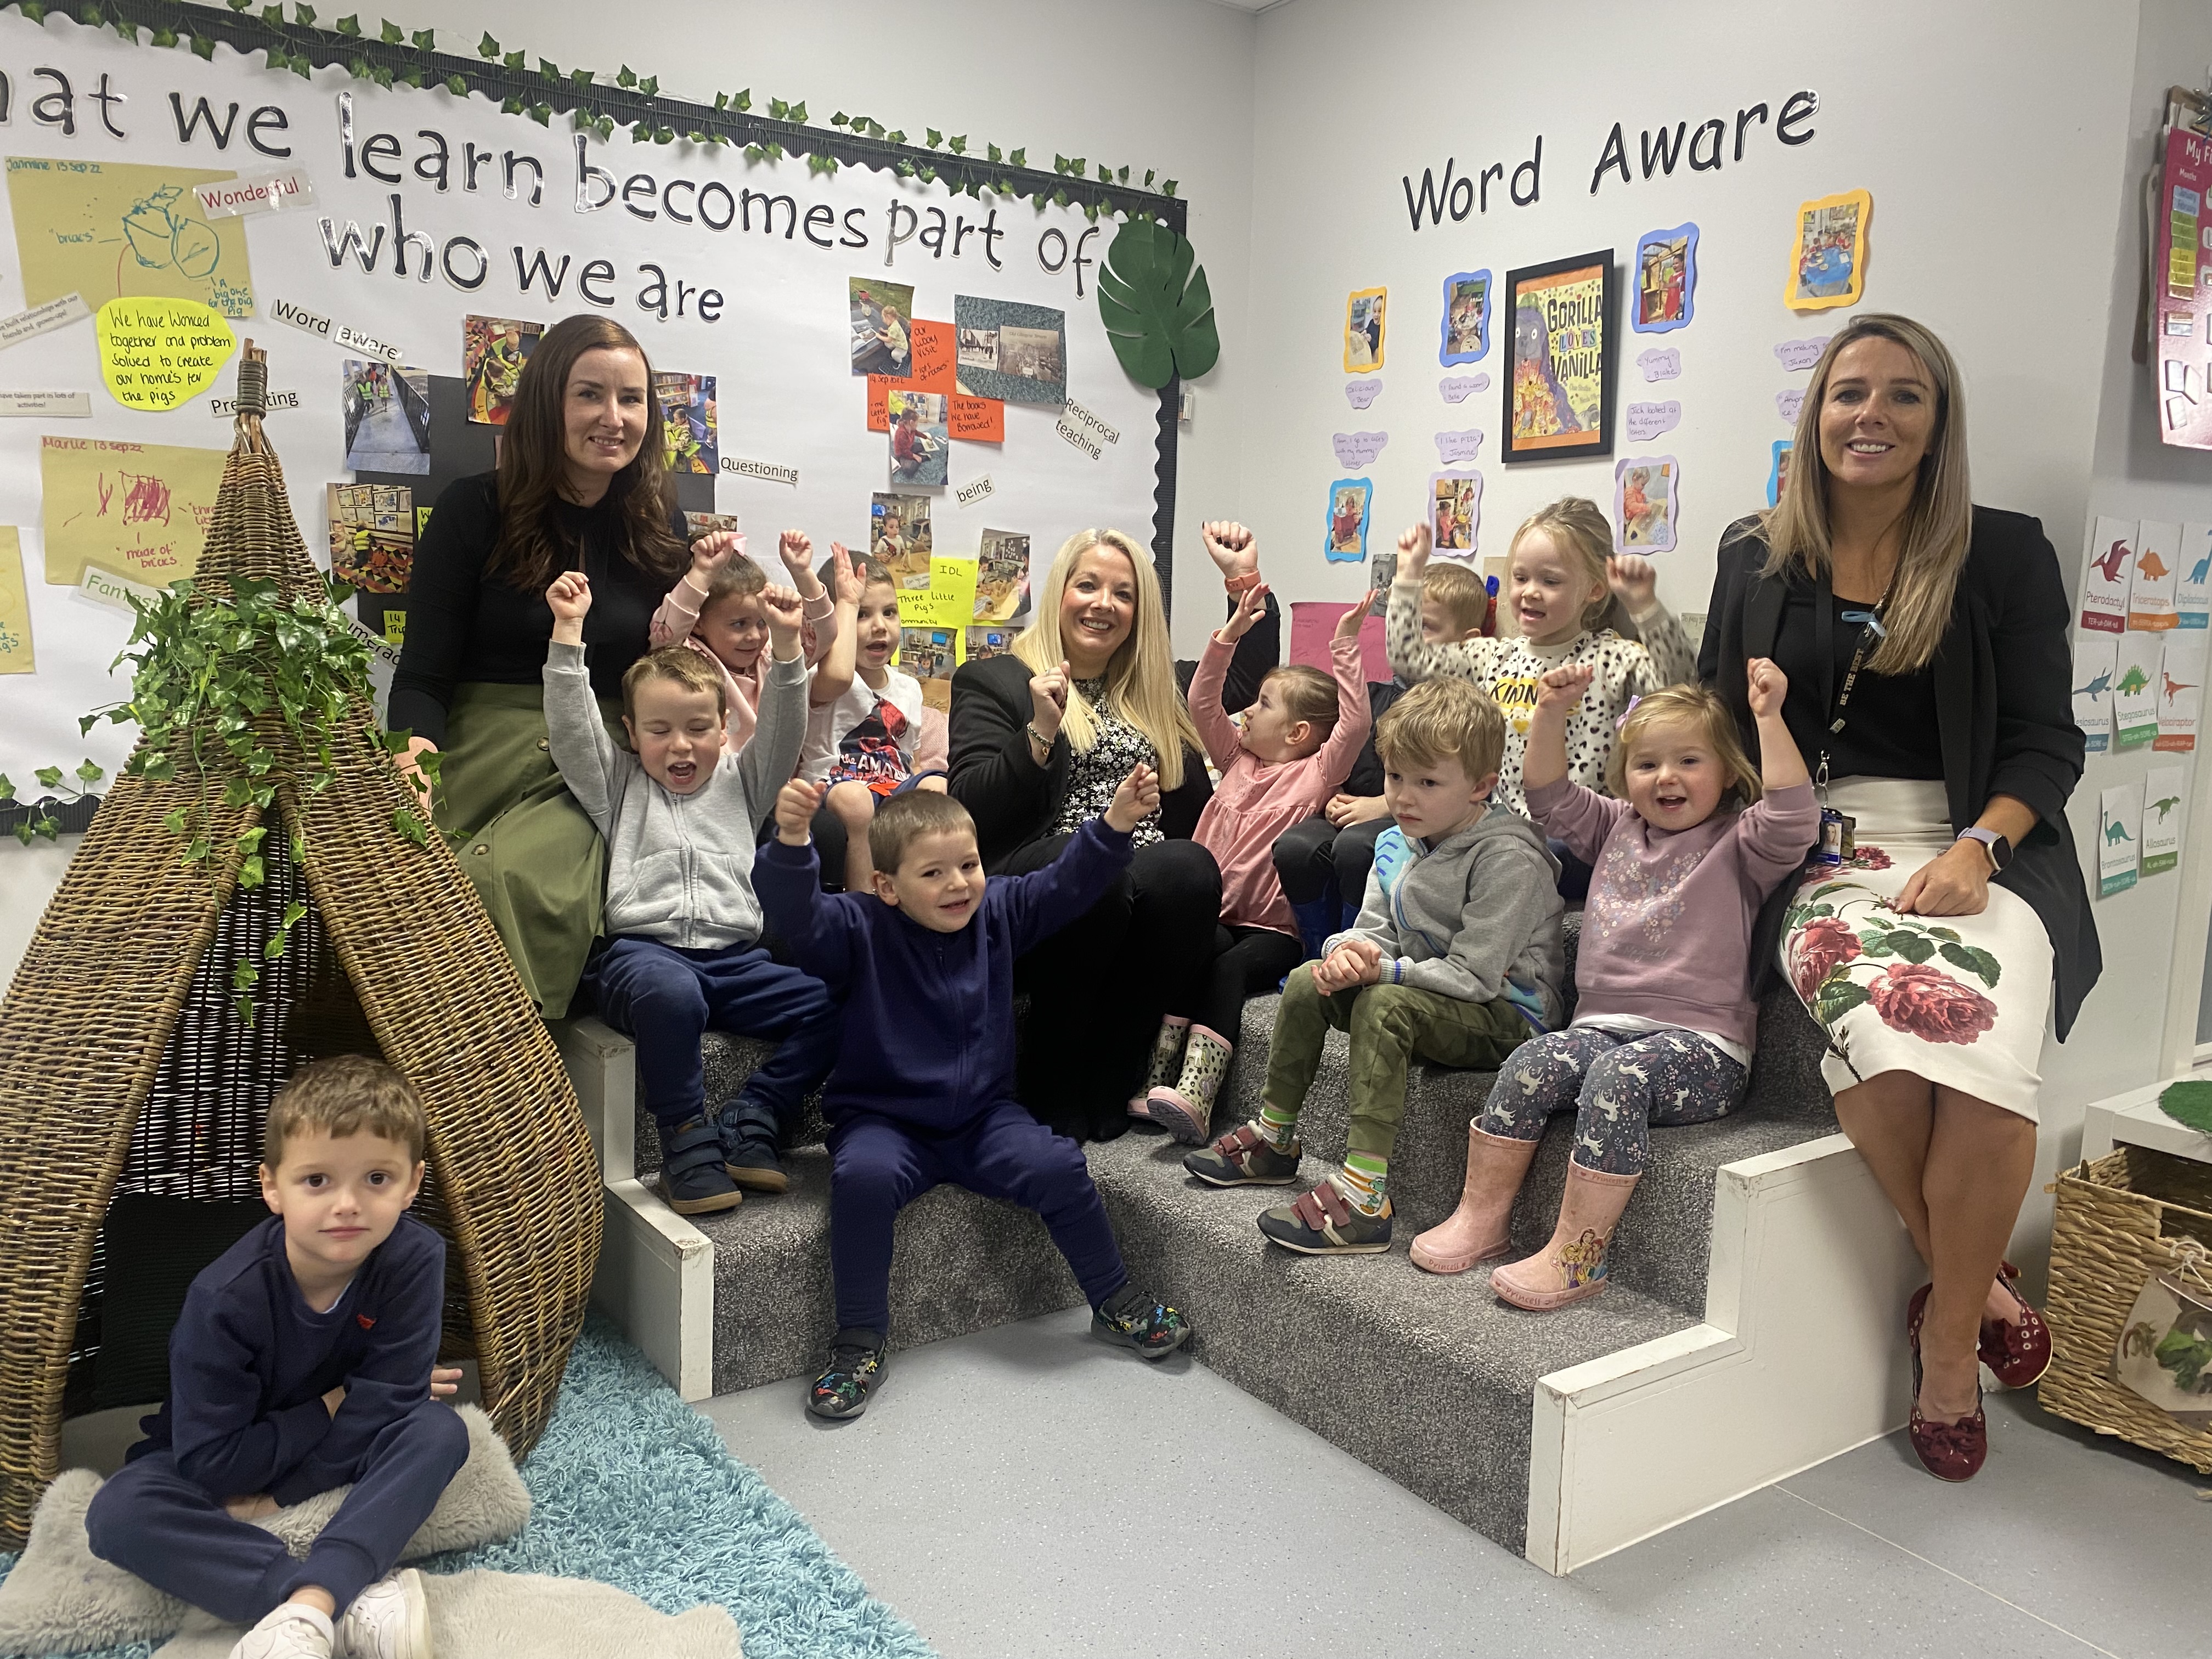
{"x": 632, "y": 1487}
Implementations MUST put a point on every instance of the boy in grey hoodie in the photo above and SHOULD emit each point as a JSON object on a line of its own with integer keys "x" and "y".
{"x": 1456, "y": 957}
{"x": 681, "y": 817}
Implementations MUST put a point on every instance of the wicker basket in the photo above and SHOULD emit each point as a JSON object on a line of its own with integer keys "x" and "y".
{"x": 120, "y": 1064}
{"x": 2114, "y": 1216}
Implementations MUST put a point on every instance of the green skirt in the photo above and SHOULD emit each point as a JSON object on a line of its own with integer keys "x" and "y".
{"x": 535, "y": 858}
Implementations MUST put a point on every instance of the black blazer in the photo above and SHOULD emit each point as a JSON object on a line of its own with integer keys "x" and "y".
{"x": 1013, "y": 800}
{"x": 2004, "y": 712}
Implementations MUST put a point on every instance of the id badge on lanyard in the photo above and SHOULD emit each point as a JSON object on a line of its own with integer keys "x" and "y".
{"x": 1836, "y": 844}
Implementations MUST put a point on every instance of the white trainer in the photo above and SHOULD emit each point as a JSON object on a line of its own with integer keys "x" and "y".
{"x": 389, "y": 1619}
{"x": 290, "y": 1631}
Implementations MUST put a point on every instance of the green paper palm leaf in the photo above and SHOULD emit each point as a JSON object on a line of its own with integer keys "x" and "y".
{"x": 2188, "y": 1103}
{"x": 1157, "y": 310}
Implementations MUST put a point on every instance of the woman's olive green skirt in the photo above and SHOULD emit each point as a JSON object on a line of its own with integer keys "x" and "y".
{"x": 534, "y": 858}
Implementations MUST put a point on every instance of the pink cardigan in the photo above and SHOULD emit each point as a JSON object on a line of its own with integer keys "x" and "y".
{"x": 1256, "y": 802}
{"x": 679, "y": 614}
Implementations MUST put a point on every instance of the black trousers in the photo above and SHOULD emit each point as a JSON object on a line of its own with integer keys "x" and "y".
{"x": 1311, "y": 855}
{"x": 1100, "y": 987}
{"x": 1248, "y": 962}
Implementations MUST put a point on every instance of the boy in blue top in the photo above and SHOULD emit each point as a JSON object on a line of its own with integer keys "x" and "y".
{"x": 302, "y": 1362}
{"x": 923, "y": 1088}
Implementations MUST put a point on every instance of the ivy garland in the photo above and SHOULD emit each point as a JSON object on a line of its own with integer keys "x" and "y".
{"x": 593, "y": 103}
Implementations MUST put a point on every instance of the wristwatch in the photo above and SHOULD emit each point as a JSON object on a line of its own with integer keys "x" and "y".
{"x": 1999, "y": 849}
{"x": 1249, "y": 580}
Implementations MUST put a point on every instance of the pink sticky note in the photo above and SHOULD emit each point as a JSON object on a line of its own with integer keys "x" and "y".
{"x": 1313, "y": 623}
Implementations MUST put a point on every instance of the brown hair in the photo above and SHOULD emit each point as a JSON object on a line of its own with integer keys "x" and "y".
{"x": 1461, "y": 595}
{"x": 345, "y": 1095}
{"x": 1443, "y": 720}
{"x": 533, "y": 466}
{"x": 1307, "y": 695}
{"x": 906, "y": 818}
{"x": 690, "y": 669}
{"x": 1580, "y": 532}
{"x": 1938, "y": 525}
{"x": 866, "y": 565}
{"x": 1695, "y": 707}
{"x": 738, "y": 575}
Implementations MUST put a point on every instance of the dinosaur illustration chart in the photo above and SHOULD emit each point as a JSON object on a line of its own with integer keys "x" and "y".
{"x": 2095, "y": 667}
{"x": 2158, "y": 560}
{"x": 2192, "y": 595}
{"x": 2180, "y": 692}
{"x": 2165, "y": 787}
{"x": 2107, "y": 575}
{"x": 2120, "y": 845}
{"x": 2135, "y": 689}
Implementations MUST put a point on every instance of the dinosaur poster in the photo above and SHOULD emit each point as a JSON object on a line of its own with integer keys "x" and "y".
{"x": 2094, "y": 671}
{"x": 2119, "y": 840}
{"x": 2192, "y": 592}
{"x": 2135, "y": 692}
{"x": 2179, "y": 692}
{"x": 2165, "y": 790}
{"x": 2105, "y": 577}
{"x": 2158, "y": 568}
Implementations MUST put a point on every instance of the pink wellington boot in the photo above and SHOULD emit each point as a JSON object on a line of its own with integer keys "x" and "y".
{"x": 1186, "y": 1110}
{"x": 1572, "y": 1267}
{"x": 1477, "y": 1230}
{"x": 1166, "y": 1062}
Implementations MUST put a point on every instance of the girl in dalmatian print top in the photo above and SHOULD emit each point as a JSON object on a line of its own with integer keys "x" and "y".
{"x": 1562, "y": 577}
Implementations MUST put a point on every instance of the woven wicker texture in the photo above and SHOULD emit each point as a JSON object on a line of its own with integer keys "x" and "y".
{"x": 2115, "y": 1217}
{"x": 121, "y": 1060}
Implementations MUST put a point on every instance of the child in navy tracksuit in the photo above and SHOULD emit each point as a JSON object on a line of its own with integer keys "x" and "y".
{"x": 923, "y": 1091}
{"x": 302, "y": 1362}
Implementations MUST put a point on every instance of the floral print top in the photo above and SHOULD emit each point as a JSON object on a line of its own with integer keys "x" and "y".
{"x": 1093, "y": 776}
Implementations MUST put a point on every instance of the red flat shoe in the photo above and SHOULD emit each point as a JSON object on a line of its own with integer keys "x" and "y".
{"x": 1949, "y": 1451}
{"x": 2017, "y": 1355}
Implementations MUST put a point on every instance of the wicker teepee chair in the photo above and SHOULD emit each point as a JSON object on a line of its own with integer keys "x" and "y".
{"x": 122, "y": 1063}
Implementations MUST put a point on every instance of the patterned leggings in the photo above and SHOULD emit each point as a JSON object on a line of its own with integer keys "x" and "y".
{"x": 1616, "y": 1085}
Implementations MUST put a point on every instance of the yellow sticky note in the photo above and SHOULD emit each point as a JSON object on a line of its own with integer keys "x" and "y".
{"x": 15, "y": 657}
{"x": 107, "y": 228}
{"x": 950, "y": 600}
{"x": 140, "y": 510}
{"x": 155, "y": 353}
{"x": 395, "y": 627}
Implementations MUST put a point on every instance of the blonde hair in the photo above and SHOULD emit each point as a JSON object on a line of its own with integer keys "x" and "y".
{"x": 345, "y": 1095}
{"x": 1695, "y": 707}
{"x": 1140, "y": 681}
{"x": 681, "y": 664}
{"x": 1307, "y": 694}
{"x": 1443, "y": 720}
{"x": 1938, "y": 525}
{"x": 1580, "y": 532}
{"x": 1461, "y": 595}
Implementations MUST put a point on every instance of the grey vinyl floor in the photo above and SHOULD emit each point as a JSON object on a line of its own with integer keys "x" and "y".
{"x": 1027, "y": 1492}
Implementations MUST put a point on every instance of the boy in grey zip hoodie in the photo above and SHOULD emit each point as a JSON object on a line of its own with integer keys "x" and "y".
{"x": 681, "y": 818}
{"x": 1456, "y": 957}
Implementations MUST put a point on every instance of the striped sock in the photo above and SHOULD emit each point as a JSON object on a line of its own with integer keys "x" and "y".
{"x": 1277, "y": 1128}
{"x": 1363, "y": 1180}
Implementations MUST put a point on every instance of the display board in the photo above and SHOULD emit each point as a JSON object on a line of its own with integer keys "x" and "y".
{"x": 395, "y": 250}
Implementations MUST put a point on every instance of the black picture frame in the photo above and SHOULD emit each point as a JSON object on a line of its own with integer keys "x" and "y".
{"x": 1582, "y": 441}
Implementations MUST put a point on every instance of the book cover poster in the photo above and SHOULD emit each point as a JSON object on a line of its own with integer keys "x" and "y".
{"x": 2165, "y": 788}
{"x": 2107, "y": 575}
{"x": 1556, "y": 401}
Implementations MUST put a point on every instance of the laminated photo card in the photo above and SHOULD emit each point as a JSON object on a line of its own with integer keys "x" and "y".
{"x": 1346, "y": 539}
{"x": 2192, "y": 596}
{"x": 1363, "y": 330}
{"x": 2180, "y": 690}
{"x": 2165, "y": 788}
{"x": 1467, "y": 318}
{"x": 2095, "y": 667}
{"x": 2107, "y": 575}
{"x": 1646, "y": 502}
{"x": 1666, "y": 292}
{"x": 1455, "y": 512}
{"x": 1827, "y": 266}
{"x": 2158, "y": 559}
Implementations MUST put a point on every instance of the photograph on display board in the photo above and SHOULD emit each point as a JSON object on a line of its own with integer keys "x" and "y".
{"x": 1665, "y": 280}
{"x": 1363, "y": 330}
{"x": 921, "y": 449}
{"x": 493, "y": 352}
{"x": 883, "y": 322}
{"x": 1002, "y": 577}
{"x": 696, "y": 525}
{"x": 1646, "y": 503}
{"x": 927, "y": 654}
{"x": 1778, "y": 471}
{"x": 1467, "y": 318}
{"x": 1456, "y": 511}
{"x": 899, "y": 537}
{"x": 984, "y": 643}
{"x": 1827, "y": 264}
{"x": 1345, "y": 540}
{"x": 688, "y": 423}
{"x": 371, "y": 529}
{"x": 387, "y": 417}
{"x": 1027, "y": 346}
{"x": 1560, "y": 388}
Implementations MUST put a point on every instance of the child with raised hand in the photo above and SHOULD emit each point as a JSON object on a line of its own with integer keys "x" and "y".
{"x": 1456, "y": 957}
{"x": 681, "y": 816}
{"x": 716, "y": 611}
{"x": 1686, "y": 850}
{"x": 877, "y": 736}
{"x": 303, "y": 1362}
{"x": 1298, "y": 739}
{"x": 1561, "y": 578}
{"x": 923, "y": 1088}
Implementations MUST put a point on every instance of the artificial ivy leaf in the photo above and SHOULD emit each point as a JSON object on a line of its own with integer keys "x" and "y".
{"x": 992, "y": 153}
{"x": 799, "y": 111}
{"x": 49, "y": 777}
{"x": 37, "y": 13}
{"x": 875, "y": 129}
{"x": 244, "y": 975}
{"x": 744, "y": 100}
{"x": 835, "y": 120}
{"x": 197, "y": 850}
{"x": 928, "y": 175}
{"x": 487, "y": 47}
{"x": 252, "y": 872}
{"x": 542, "y": 114}
{"x": 1090, "y": 211}
{"x": 777, "y": 108}
{"x": 932, "y": 137}
{"x": 357, "y": 68}
{"x": 305, "y": 15}
{"x": 1167, "y": 186}
{"x": 410, "y": 827}
{"x": 158, "y": 768}
{"x": 894, "y": 136}
{"x": 1148, "y": 178}
{"x": 422, "y": 40}
{"x": 1158, "y": 309}
{"x": 514, "y": 60}
{"x": 457, "y": 86}
{"x": 1123, "y": 175}
{"x": 294, "y": 913}
{"x": 650, "y": 86}
{"x": 580, "y": 77}
{"x": 1105, "y": 173}
{"x": 203, "y": 47}
{"x": 1060, "y": 198}
{"x": 381, "y": 76}
{"x": 349, "y": 25}
{"x": 1058, "y": 162}
{"x": 23, "y": 832}
{"x": 958, "y": 146}
{"x": 1019, "y": 158}
{"x": 177, "y": 820}
{"x": 391, "y": 34}
{"x": 165, "y": 37}
{"x": 549, "y": 69}
{"x": 627, "y": 77}
{"x": 510, "y": 107}
{"x": 754, "y": 151}
{"x": 274, "y": 947}
{"x": 7, "y": 789}
{"x": 272, "y": 14}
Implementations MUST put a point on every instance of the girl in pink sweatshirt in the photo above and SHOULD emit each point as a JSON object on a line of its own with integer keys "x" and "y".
{"x": 715, "y": 610}
{"x": 1664, "y": 1023}
{"x": 1299, "y": 739}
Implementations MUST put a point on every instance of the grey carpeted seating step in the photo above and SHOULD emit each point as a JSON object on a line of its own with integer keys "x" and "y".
{"x": 1428, "y": 1380}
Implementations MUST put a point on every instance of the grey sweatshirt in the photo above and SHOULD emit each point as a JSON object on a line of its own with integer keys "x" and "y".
{"x": 679, "y": 867}
{"x": 1475, "y": 917}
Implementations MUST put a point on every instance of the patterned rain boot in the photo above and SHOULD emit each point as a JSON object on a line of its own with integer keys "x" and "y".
{"x": 1167, "y": 1057}
{"x": 1186, "y": 1111}
{"x": 1478, "y": 1230}
{"x": 1572, "y": 1266}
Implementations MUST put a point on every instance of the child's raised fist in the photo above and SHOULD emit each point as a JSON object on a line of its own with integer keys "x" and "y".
{"x": 1562, "y": 687}
{"x": 711, "y": 552}
{"x": 795, "y": 547}
{"x": 1231, "y": 547}
{"x": 570, "y": 596}
{"x": 794, "y": 810}
{"x": 785, "y": 610}
{"x": 1766, "y": 685}
{"x": 1635, "y": 579}
{"x": 1413, "y": 552}
{"x": 1137, "y": 799}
